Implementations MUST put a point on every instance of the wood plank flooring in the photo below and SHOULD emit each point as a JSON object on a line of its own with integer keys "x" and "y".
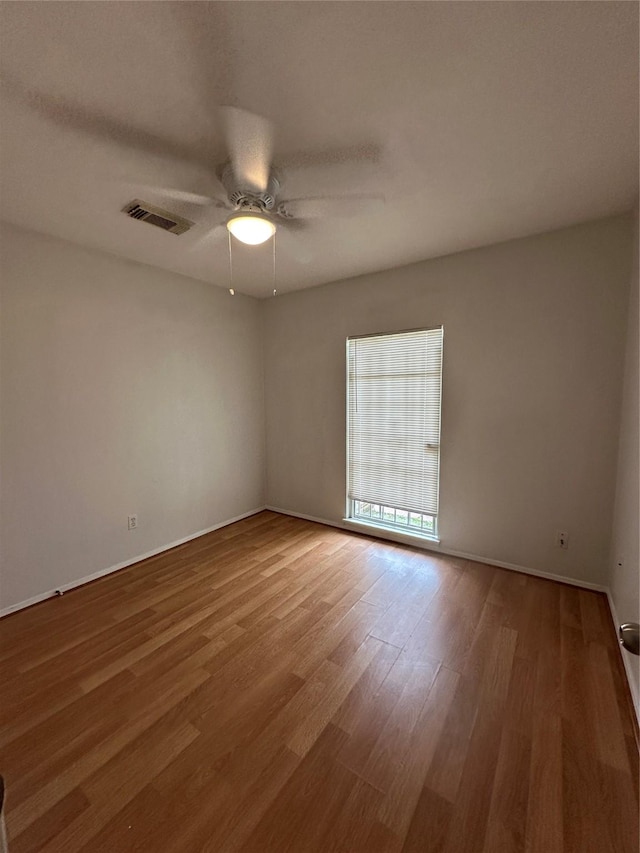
{"x": 278, "y": 685}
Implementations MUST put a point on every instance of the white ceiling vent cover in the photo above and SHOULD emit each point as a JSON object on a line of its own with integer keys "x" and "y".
{"x": 137, "y": 209}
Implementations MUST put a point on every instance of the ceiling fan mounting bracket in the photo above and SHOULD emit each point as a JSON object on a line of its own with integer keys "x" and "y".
{"x": 242, "y": 199}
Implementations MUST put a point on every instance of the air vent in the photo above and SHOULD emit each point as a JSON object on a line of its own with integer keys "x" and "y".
{"x": 137, "y": 209}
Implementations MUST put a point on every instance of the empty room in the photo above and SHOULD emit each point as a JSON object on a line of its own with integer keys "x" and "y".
{"x": 319, "y": 427}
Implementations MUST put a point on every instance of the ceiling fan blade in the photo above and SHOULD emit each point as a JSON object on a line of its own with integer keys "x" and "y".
{"x": 178, "y": 195}
{"x": 332, "y": 206}
{"x": 249, "y": 140}
{"x": 370, "y": 153}
{"x": 85, "y": 120}
{"x": 350, "y": 168}
{"x": 193, "y": 198}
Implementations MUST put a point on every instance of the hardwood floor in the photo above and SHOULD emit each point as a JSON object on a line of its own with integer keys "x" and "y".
{"x": 282, "y": 686}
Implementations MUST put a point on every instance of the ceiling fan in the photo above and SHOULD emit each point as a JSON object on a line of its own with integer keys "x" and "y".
{"x": 247, "y": 185}
{"x": 249, "y": 188}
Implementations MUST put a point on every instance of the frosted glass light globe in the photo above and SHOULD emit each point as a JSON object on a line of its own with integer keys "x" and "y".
{"x": 251, "y": 228}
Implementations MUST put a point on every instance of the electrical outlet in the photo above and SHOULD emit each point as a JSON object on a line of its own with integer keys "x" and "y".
{"x": 562, "y": 539}
{"x": 132, "y": 522}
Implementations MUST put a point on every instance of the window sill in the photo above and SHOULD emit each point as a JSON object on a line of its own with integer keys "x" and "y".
{"x": 419, "y": 539}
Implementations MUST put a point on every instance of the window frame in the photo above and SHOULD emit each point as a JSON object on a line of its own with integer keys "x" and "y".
{"x": 374, "y": 523}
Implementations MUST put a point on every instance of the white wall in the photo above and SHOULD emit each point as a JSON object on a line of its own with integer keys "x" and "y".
{"x": 125, "y": 390}
{"x": 533, "y": 355}
{"x": 625, "y": 558}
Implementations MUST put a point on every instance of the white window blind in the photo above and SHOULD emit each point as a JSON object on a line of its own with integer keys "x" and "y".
{"x": 394, "y": 390}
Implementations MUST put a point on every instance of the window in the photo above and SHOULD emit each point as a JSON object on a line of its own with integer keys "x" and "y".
{"x": 393, "y": 429}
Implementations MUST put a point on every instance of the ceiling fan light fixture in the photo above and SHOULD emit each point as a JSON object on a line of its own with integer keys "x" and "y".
{"x": 251, "y": 228}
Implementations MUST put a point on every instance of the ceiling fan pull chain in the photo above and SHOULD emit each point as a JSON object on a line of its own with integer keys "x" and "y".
{"x": 231, "y": 290}
{"x": 274, "y": 264}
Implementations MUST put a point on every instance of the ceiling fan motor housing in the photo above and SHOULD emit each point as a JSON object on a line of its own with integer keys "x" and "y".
{"x": 241, "y": 197}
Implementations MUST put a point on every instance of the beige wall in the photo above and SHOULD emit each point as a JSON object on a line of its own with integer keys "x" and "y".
{"x": 625, "y": 558}
{"x": 533, "y": 354}
{"x": 125, "y": 389}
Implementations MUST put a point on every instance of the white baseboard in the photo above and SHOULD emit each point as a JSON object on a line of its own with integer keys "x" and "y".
{"x": 80, "y": 581}
{"x": 430, "y": 545}
{"x": 626, "y": 660}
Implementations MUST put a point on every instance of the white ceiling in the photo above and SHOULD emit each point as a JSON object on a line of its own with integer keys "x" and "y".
{"x": 479, "y": 122}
